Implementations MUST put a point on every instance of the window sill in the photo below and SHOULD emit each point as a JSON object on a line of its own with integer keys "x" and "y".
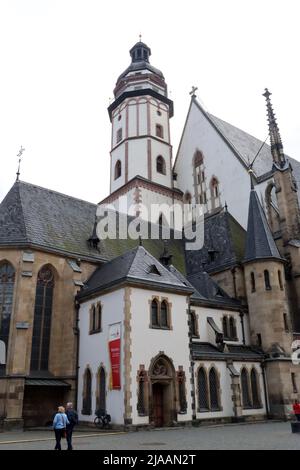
{"x": 155, "y": 327}
{"x": 93, "y": 332}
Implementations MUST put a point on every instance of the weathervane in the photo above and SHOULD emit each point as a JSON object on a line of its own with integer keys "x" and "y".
{"x": 20, "y": 158}
{"x": 192, "y": 93}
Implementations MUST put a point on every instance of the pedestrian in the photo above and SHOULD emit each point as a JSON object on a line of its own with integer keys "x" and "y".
{"x": 60, "y": 423}
{"x": 296, "y": 409}
{"x": 73, "y": 420}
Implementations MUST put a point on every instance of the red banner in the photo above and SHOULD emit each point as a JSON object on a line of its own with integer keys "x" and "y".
{"x": 115, "y": 355}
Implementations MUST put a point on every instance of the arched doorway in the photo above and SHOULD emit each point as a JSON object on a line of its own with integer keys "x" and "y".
{"x": 162, "y": 392}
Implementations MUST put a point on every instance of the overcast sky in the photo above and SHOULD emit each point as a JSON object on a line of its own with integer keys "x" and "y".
{"x": 60, "y": 60}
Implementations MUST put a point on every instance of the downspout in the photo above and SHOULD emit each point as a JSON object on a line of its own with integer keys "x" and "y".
{"x": 243, "y": 327}
{"x": 263, "y": 368}
{"x": 77, "y": 334}
{"x": 192, "y": 363}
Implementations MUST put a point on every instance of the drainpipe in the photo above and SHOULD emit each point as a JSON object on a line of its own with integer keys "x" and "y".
{"x": 263, "y": 368}
{"x": 243, "y": 326}
{"x": 77, "y": 334}
{"x": 192, "y": 364}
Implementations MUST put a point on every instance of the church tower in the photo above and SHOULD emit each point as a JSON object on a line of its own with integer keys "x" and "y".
{"x": 270, "y": 323}
{"x": 141, "y": 150}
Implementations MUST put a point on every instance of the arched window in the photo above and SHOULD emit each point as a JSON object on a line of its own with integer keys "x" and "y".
{"x": 101, "y": 402}
{"x": 93, "y": 318}
{"x": 232, "y": 328}
{"x": 99, "y": 317}
{"x": 214, "y": 193}
{"x": 118, "y": 169}
{"x": 225, "y": 327}
{"x": 164, "y": 314}
{"x": 253, "y": 287}
{"x": 245, "y": 389}
{"x": 194, "y": 329}
{"x": 214, "y": 390}
{"x": 202, "y": 390}
{"x": 254, "y": 388}
{"x": 280, "y": 280}
{"x": 7, "y": 281}
{"x": 187, "y": 198}
{"x": 267, "y": 279}
{"x": 87, "y": 393}
{"x": 160, "y": 165}
{"x": 154, "y": 313}
{"x": 159, "y": 131}
{"x": 272, "y": 207}
{"x": 42, "y": 319}
{"x": 199, "y": 178}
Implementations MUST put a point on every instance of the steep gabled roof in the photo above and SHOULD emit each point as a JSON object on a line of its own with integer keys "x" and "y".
{"x": 209, "y": 289}
{"x": 259, "y": 240}
{"x": 42, "y": 218}
{"x": 136, "y": 266}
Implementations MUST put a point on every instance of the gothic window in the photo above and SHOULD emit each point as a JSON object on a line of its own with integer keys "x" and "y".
{"x": 194, "y": 329}
{"x": 214, "y": 193}
{"x": 154, "y": 313}
{"x": 7, "y": 280}
{"x": 160, "y": 165}
{"x": 42, "y": 319}
{"x": 280, "y": 280}
{"x": 294, "y": 384}
{"x": 286, "y": 323}
{"x": 142, "y": 391}
{"x": 202, "y": 390}
{"x": 159, "y": 131}
{"x": 254, "y": 387}
{"x": 101, "y": 402}
{"x": 199, "y": 178}
{"x": 214, "y": 390}
{"x": 253, "y": 287}
{"x": 119, "y": 135}
{"x": 118, "y": 169}
{"x": 225, "y": 326}
{"x": 232, "y": 329}
{"x": 87, "y": 393}
{"x": 164, "y": 314}
{"x": 267, "y": 279}
{"x": 245, "y": 389}
{"x": 99, "y": 317}
{"x": 187, "y": 198}
{"x": 181, "y": 390}
{"x": 272, "y": 207}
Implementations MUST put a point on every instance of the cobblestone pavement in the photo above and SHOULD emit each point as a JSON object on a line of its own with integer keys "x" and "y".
{"x": 268, "y": 435}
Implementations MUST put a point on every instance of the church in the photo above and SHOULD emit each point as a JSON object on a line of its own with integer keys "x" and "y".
{"x": 144, "y": 328}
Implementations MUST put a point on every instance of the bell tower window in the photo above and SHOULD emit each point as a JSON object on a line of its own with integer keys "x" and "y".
{"x": 160, "y": 165}
{"x": 118, "y": 169}
{"x": 119, "y": 135}
{"x": 159, "y": 131}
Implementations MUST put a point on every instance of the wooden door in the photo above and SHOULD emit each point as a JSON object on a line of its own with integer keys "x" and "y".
{"x": 158, "y": 409}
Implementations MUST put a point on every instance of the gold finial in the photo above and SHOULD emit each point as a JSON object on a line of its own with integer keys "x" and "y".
{"x": 20, "y": 158}
{"x": 140, "y": 36}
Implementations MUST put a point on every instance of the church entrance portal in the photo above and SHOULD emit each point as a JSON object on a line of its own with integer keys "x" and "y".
{"x": 162, "y": 377}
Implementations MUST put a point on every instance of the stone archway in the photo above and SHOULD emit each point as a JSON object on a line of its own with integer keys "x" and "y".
{"x": 162, "y": 399}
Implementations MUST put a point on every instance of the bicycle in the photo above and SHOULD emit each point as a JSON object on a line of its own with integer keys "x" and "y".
{"x": 102, "y": 419}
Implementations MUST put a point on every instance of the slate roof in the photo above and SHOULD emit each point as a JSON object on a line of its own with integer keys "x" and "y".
{"x": 207, "y": 288}
{"x": 259, "y": 241}
{"x": 223, "y": 235}
{"x": 42, "y": 218}
{"x": 135, "y": 266}
{"x": 234, "y": 352}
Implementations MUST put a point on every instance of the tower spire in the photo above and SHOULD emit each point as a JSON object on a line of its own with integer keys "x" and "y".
{"x": 19, "y": 164}
{"x": 275, "y": 138}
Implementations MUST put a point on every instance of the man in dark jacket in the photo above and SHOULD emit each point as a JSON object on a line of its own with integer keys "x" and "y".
{"x": 73, "y": 420}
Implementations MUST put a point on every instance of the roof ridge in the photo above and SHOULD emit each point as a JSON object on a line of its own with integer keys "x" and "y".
{"x": 56, "y": 192}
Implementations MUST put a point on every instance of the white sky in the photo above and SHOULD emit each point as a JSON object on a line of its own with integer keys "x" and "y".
{"x": 60, "y": 60}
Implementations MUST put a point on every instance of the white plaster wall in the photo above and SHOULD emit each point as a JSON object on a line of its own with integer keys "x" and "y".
{"x": 117, "y": 154}
{"x": 226, "y": 392}
{"x": 148, "y": 342}
{"x": 137, "y": 158}
{"x": 132, "y": 118}
{"x": 219, "y": 161}
{"x": 159, "y": 148}
{"x": 94, "y": 350}
{"x": 143, "y": 128}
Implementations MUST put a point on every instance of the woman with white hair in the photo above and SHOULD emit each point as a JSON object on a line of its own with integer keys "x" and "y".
{"x": 60, "y": 423}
